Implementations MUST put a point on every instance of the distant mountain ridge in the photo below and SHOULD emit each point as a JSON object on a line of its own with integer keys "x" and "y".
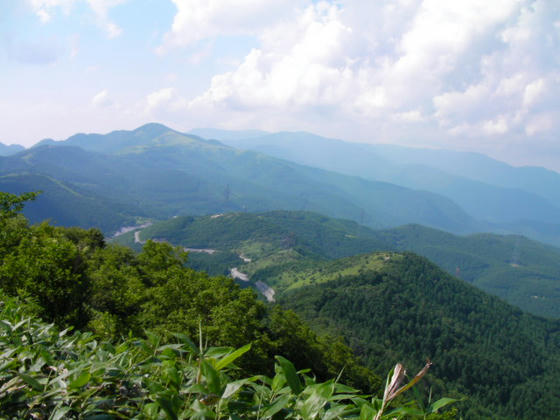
{"x": 502, "y": 197}
{"x": 162, "y": 172}
{"x": 10, "y": 149}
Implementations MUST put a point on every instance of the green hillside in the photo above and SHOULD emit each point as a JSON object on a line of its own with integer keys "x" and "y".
{"x": 523, "y": 272}
{"x": 401, "y": 307}
{"x": 54, "y": 281}
{"x": 68, "y": 204}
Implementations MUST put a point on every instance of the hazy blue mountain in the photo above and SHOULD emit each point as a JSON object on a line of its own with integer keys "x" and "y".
{"x": 214, "y": 133}
{"x": 10, "y": 149}
{"x": 500, "y": 205}
{"x": 508, "y": 199}
{"x": 163, "y": 173}
{"x": 541, "y": 181}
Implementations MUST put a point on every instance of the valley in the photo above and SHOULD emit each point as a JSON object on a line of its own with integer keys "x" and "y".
{"x": 511, "y": 267}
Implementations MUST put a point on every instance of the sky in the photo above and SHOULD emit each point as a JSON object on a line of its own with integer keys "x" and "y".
{"x": 472, "y": 75}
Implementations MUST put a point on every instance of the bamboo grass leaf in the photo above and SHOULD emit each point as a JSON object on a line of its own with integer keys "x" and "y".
{"x": 291, "y": 375}
{"x": 230, "y": 358}
{"x": 442, "y": 402}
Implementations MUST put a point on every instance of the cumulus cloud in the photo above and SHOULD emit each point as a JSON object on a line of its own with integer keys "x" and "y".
{"x": 474, "y": 70}
{"x": 200, "y": 19}
{"x": 101, "y": 8}
{"x": 102, "y": 99}
{"x": 44, "y": 9}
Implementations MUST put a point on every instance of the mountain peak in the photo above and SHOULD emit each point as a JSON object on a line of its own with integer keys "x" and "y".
{"x": 152, "y": 129}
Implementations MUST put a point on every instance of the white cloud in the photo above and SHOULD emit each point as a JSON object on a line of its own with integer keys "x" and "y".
{"x": 474, "y": 73}
{"x": 102, "y": 99}
{"x": 196, "y": 20}
{"x": 160, "y": 98}
{"x": 533, "y": 91}
{"x": 540, "y": 123}
{"x": 481, "y": 71}
{"x": 497, "y": 126}
{"x": 409, "y": 116}
{"x": 101, "y": 8}
{"x": 45, "y": 8}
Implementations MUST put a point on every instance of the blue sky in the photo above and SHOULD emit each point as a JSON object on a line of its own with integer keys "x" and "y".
{"x": 471, "y": 75}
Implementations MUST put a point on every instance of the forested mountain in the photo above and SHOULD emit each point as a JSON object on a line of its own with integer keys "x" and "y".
{"x": 396, "y": 307}
{"x": 69, "y": 204}
{"x": 518, "y": 200}
{"x": 160, "y": 173}
{"x": 521, "y": 271}
{"x": 11, "y": 149}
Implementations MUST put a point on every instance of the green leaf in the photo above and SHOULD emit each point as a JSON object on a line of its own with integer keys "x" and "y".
{"x": 212, "y": 378}
{"x": 59, "y": 413}
{"x": 82, "y": 379}
{"x": 184, "y": 339}
{"x": 278, "y": 382}
{"x": 201, "y": 412}
{"x": 278, "y": 405}
{"x": 291, "y": 375}
{"x": 151, "y": 410}
{"x": 442, "y": 402}
{"x": 32, "y": 382}
{"x": 319, "y": 397}
{"x": 217, "y": 352}
{"x": 336, "y": 412}
{"x": 230, "y": 358}
{"x": 408, "y": 411}
{"x": 167, "y": 406}
{"x": 367, "y": 412}
{"x": 233, "y": 387}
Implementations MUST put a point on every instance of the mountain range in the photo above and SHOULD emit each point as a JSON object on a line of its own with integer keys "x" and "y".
{"x": 502, "y": 198}
{"x": 157, "y": 172}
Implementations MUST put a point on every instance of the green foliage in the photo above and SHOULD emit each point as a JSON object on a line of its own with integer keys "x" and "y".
{"x": 48, "y": 265}
{"x": 47, "y": 373}
{"x": 11, "y": 204}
